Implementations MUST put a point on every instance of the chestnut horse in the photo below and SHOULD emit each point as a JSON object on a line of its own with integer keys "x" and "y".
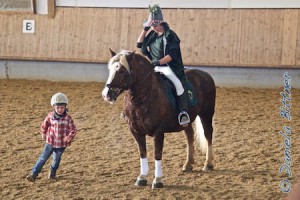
{"x": 149, "y": 112}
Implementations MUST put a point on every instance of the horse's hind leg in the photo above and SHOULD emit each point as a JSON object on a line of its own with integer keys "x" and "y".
{"x": 206, "y": 120}
{"x": 189, "y": 132}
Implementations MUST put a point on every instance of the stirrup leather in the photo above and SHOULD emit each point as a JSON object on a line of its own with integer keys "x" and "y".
{"x": 183, "y": 118}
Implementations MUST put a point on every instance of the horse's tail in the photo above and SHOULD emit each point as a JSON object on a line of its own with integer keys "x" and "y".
{"x": 200, "y": 137}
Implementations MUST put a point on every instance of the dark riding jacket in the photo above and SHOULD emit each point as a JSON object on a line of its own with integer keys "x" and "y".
{"x": 171, "y": 48}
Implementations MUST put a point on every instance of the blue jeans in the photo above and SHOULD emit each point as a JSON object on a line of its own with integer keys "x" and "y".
{"x": 48, "y": 150}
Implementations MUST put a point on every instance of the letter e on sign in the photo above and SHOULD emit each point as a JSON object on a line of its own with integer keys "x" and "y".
{"x": 28, "y": 26}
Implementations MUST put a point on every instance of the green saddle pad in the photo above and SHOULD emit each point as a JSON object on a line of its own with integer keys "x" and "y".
{"x": 192, "y": 99}
{"x": 171, "y": 92}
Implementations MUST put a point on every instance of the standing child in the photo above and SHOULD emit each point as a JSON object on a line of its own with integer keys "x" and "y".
{"x": 58, "y": 130}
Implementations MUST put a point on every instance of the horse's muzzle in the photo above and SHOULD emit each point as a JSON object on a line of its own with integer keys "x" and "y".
{"x": 110, "y": 95}
{"x": 105, "y": 95}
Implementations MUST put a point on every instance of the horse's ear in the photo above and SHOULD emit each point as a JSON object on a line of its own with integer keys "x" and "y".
{"x": 130, "y": 56}
{"x": 112, "y": 52}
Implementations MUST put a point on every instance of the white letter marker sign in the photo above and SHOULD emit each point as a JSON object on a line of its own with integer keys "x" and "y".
{"x": 28, "y": 26}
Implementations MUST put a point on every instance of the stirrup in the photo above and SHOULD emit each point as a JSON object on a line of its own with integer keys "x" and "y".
{"x": 183, "y": 118}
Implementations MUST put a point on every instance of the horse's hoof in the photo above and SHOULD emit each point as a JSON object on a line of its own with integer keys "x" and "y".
{"x": 157, "y": 183}
{"x": 187, "y": 168}
{"x": 208, "y": 168}
{"x": 141, "y": 181}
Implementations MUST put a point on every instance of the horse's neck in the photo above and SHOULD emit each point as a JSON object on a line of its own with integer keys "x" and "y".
{"x": 145, "y": 81}
{"x": 142, "y": 89}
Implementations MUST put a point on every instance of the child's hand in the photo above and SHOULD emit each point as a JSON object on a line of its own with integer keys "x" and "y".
{"x": 67, "y": 139}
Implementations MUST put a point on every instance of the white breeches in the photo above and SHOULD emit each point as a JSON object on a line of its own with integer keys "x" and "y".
{"x": 166, "y": 70}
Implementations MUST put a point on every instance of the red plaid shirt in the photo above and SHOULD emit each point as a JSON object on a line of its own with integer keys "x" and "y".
{"x": 54, "y": 131}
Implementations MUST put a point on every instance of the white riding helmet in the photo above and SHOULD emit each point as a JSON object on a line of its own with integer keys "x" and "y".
{"x": 59, "y": 99}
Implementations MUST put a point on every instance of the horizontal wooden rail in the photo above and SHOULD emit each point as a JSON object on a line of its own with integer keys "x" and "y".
{"x": 209, "y": 37}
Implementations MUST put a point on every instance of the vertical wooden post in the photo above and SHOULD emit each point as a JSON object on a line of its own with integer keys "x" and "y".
{"x": 33, "y": 6}
{"x": 51, "y": 9}
{"x": 289, "y": 42}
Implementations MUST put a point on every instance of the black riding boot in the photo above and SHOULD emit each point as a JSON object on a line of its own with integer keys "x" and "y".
{"x": 183, "y": 117}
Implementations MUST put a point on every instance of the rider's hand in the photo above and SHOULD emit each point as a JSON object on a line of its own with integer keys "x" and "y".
{"x": 147, "y": 24}
{"x": 155, "y": 63}
{"x": 146, "y": 28}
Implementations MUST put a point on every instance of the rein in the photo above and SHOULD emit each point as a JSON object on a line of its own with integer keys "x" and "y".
{"x": 127, "y": 84}
{"x": 147, "y": 75}
{"x": 146, "y": 92}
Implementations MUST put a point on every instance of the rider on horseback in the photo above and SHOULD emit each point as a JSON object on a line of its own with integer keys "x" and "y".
{"x": 164, "y": 53}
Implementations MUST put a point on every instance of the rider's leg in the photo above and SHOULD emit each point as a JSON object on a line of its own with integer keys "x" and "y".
{"x": 167, "y": 71}
{"x": 183, "y": 117}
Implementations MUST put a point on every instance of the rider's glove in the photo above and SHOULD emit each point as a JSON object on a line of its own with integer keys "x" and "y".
{"x": 156, "y": 63}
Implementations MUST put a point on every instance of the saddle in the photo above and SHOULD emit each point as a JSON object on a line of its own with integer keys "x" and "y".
{"x": 171, "y": 91}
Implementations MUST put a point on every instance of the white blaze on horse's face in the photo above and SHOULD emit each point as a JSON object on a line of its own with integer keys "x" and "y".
{"x": 113, "y": 68}
{"x": 116, "y": 64}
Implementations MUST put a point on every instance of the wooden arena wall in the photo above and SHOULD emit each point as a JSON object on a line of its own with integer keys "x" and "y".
{"x": 211, "y": 37}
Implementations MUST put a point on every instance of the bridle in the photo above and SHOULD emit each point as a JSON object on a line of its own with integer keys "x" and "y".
{"x": 117, "y": 89}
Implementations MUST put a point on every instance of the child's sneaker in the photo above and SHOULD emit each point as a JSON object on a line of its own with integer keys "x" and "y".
{"x": 52, "y": 175}
{"x": 31, "y": 177}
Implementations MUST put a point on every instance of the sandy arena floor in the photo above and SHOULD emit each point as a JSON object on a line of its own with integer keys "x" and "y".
{"x": 103, "y": 162}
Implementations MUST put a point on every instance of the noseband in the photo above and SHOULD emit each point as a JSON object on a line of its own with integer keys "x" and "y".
{"x": 117, "y": 89}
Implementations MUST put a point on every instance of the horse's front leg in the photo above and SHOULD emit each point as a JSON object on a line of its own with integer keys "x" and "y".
{"x": 144, "y": 168}
{"x": 158, "y": 145}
